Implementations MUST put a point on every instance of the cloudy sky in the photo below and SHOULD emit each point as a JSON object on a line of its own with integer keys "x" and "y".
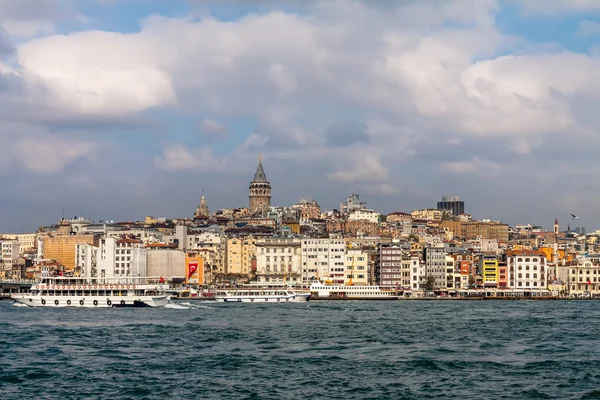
{"x": 117, "y": 109}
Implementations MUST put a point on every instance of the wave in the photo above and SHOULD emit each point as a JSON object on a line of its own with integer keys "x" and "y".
{"x": 20, "y": 305}
{"x": 177, "y": 307}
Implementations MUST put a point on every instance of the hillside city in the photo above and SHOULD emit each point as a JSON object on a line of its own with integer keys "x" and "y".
{"x": 441, "y": 250}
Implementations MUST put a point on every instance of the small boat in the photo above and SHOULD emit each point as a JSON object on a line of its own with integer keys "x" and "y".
{"x": 257, "y": 295}
{"x": 320, "y": 291}
{"x": 95, "y": 293}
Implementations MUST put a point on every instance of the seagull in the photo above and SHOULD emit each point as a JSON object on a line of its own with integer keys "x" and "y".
{"x": 575, "y": 216}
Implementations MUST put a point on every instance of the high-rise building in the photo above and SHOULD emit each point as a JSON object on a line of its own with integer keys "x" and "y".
{"x": 260, "y": 190}
{"x": 453, "y": 204}
{"x": 353, "y": 203}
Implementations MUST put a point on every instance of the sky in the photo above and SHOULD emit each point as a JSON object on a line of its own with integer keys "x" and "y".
{"x": 118, "y": 109}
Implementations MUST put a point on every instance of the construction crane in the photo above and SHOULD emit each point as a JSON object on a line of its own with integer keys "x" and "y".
{"x": 350, "y": 283}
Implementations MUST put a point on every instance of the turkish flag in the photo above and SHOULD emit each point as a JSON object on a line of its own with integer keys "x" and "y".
{"x": 589, "y": 282}
{"x": 192, "y": 267}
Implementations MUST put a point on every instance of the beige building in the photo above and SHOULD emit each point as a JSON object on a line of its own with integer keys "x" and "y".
{"x": 278, "y": 260}
{"x": 27, "y": 241}
{"x": 428, "y": 214}
{"x": 357, "y": 268}
{"x": 63, "y": 249}
{"x": 239, "y": 253}
{"x": 581, "y": 277}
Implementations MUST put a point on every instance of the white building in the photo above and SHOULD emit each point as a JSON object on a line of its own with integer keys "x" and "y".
{"x": 27, "y": 241}
{"x": 278, "y": 260}
{"x": 9, "y": 253}
{"x": 527, "y": 270}
{"x": 488, "y": 246}
{"x": 364, "y": 215}
{"x": 417, "y": 274}
{"x": 323, "y": 259}
{"x": 435, "y": 264}
{"x": 86, "y": 261}
{"x": 121, "y": 258}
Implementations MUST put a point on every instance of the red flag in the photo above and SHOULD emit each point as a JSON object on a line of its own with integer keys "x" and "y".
{"x": 192, "y": 267}
{"x": 161, "y": 280}
{"x": 589, "y": 282}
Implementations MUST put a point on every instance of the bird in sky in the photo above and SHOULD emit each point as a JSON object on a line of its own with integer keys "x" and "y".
{"x": 575, "y": 216}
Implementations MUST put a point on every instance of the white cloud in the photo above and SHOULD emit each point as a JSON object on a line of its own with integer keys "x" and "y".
{"x": 212, "y": 127}
{"x": 587, "y": 29}
{"x": 475, "y": 166}
{"x": 33, "y": 149}
{"x": 180, "y": 158}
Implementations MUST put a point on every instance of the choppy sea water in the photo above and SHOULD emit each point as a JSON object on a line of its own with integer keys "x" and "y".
{"x": 349, "y": 350}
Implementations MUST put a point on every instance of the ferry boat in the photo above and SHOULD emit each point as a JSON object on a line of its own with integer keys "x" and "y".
{"x": 258, "y": 295}
{"x": 96, "y": 293}
{"x": 320, "y": 291}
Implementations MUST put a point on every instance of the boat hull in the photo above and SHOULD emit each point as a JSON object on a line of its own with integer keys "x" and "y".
{"x": 378, "y": 298}
{"x": 297, "y": 298}
{"x": 91, "y": 301}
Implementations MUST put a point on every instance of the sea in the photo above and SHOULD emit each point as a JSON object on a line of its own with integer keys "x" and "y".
{"x": 315, "y": 350}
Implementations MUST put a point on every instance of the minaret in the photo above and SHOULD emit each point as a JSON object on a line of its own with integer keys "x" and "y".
{"x": 555, "y": 249}
{"x": 260, "y": 190}
{"x": 202, "y": 212}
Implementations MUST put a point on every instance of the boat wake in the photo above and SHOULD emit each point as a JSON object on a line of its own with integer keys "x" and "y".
{"x": 19, "y": 305}
{"x": 177, "y": 306}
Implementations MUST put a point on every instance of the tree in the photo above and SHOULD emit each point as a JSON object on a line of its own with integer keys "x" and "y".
{"x": 429, "y": 282}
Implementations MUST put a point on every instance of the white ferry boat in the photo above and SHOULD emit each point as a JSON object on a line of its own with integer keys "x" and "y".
{"x": 96, "y": 293}
{"x": 258, "y": 295}
{"x": 320, "y": 291}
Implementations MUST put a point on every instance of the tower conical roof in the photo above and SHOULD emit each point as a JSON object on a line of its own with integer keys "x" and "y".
{"x": 260, "y": 175}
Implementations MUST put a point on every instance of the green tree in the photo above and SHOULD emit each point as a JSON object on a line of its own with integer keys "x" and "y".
{"x": 429, "y": 282}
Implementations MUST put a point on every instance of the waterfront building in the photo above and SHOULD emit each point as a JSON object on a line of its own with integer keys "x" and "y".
{"x": 389, "y": 267}
{"x": 279, "y": 260}
{"x": 488, "y": 268}
{"x": 260, "y": 190}
{"x": 453, "y": 276}
{"x": 527, "y": 269}
{"x": 323, "y": 258}
{"x": 352, "y": 203}
{"x": 9, "y": 253}
{"x": 63, "y": 249}
{"x": 166, "y": 262}
{"x": 435, "y": 263}
{"x": 357, "y": 268}
{"x": 453, "y": 204}
{"x": 581, "y": 277}
{"x": 239, "y": 254}
{"x": 121, "y": 258}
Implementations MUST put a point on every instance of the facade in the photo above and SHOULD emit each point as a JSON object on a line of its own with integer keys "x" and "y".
{"x": 428, "y": 214}
{"x": 389, "y": 264}
{"x": 27, "y": 241}
{"x": 307, "y": 210}
{"x": 168, "y": 263}
{"x": 527, "y": 269}
{"x": 357, "y": 268}
{"x": 260, "y": 191}
{"x": 323, "y": 258}
{"x": 488, "y": 267}
{"x": 452, "y": 204}
{"x": 278, "y": 260}
{"x": 239, "y": 254}
{"x": 9, "y": 253}
{"x": 352, "y": 203}
{"x": 121, "y": 258}
{"x": 581, "y": 277}
{"x": 63, "y": 249}
{"x": 364, "y": 215}
{"x": 435, "y": 264}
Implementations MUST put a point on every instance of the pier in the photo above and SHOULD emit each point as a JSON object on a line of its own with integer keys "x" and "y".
{"x": 10, "y": 286}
